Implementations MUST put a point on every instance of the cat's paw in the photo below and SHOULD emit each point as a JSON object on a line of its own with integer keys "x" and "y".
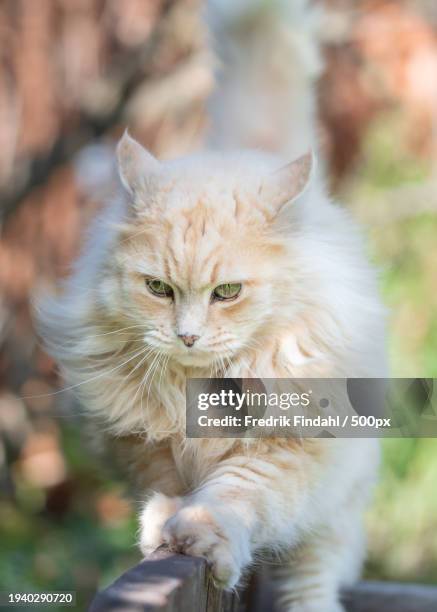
{"x": 156, "y": 512}
{"x": 195, "y": 531}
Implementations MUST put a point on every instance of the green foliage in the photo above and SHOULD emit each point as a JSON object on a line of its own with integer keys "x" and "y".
{"x": 74, "y": 548}
{"x": 403, "y": 518}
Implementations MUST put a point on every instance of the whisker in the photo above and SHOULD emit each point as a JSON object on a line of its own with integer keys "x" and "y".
{"x": 84, "y": 382}
{"x": 122, "y": 329}
{"x": 163, "y": 369}
{"x": 143, "y": 379}
{"x": 158, "y": 364}
{"x": 93, "y": 361}
{"x": 149, "y": 371}
{"x": 142, "y": 360}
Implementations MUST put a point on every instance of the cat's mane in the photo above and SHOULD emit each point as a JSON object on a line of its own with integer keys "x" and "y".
{"x": 323, "y": 328}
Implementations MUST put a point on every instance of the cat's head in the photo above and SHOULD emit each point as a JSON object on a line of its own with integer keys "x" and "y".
{"x": 203, "y": 261}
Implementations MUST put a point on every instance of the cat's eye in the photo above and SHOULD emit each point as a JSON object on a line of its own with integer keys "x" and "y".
{"x": 227, "y": 291}
{"x": 159, "y": 288}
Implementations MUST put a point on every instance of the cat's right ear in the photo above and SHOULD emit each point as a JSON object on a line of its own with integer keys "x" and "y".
{"x": 136, "y": 166}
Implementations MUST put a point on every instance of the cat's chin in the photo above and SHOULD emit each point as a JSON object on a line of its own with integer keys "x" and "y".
{"x": 194, "y": 360}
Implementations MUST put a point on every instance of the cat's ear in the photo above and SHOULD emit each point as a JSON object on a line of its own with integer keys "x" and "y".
{"x": 135, "y": 165}
{"x": 289, "y": 183}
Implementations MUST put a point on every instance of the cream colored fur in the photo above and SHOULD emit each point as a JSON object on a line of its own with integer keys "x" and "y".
{"x": 308, "y": 308}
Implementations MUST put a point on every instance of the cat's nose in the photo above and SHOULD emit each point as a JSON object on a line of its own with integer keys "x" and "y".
{"x": 188, "y": 339}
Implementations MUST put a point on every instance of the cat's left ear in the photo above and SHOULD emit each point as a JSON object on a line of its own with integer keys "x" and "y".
{"x": 289, "y": 183}
{"x": 136, "y": 166}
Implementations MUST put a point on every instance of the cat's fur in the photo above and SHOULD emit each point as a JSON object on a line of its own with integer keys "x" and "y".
{"x": 308, "y": 308}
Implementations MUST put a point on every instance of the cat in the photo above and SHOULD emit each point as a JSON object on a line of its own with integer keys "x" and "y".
{"x": 229, "y": 263}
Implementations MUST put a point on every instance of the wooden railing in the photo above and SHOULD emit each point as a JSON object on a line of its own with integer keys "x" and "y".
{"x": 166, "y": 582}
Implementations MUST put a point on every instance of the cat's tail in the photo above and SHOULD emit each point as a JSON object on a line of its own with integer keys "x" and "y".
{"x": 269, "y": 61}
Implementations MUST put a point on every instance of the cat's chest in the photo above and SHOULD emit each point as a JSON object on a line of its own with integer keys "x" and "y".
{"x": 195, "y": 459}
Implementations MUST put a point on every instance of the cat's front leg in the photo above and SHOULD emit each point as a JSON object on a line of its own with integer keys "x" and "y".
{"x": 243, "y": 505}
{"x": 159, "y": 474}
{"x": 155, "y": 513}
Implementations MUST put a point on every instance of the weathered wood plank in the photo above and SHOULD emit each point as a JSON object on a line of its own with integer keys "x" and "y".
{"x": 167, "y": 582}
{"x": 391, "y": 597}
{"x": 366, "y": 596}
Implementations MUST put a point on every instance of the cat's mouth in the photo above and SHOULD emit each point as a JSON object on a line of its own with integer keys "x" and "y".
{"x": 193, "y": 356}
{"x": 202, "y": 358}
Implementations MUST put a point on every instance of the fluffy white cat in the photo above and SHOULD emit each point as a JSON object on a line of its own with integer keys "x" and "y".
{"x": 231, "y": 264}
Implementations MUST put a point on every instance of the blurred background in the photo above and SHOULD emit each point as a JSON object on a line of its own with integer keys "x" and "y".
{"x": 73, "y": 74}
